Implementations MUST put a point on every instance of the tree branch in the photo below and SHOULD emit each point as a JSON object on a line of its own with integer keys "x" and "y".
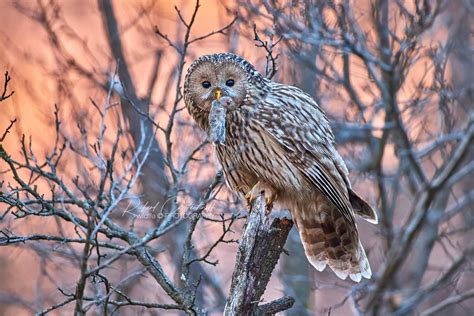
{"x": 258, "y": 254}
{"x": 6, "y": 95}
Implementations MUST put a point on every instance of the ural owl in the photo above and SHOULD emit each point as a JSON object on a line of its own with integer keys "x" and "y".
{"x": 278, "y": 142}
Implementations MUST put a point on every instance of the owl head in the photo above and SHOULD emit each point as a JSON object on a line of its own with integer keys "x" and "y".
{"x": 211, "y": 77}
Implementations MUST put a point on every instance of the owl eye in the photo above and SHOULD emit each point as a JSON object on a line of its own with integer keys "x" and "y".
{"x": 230, "y": 83}
{"x": 206, "y": 84}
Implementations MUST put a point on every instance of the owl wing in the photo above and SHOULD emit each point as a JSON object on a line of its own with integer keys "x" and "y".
{"x": 297, "y": 123}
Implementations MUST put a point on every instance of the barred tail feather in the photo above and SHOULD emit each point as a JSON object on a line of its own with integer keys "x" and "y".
{"x": 329, "y": 239}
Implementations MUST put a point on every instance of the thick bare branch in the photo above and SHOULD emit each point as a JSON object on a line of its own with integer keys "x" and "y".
{"x": 259, "y": 250}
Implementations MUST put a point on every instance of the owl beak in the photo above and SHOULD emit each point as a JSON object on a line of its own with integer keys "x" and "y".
{"x": 217, "y": 93}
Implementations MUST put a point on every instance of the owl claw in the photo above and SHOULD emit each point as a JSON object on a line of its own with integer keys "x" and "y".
{"x": 262, "y": 189}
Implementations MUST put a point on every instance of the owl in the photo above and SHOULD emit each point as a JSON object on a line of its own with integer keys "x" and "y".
{"x": 278, "y": 142}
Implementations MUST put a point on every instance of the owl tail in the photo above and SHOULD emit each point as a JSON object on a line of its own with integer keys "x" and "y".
{"x": 330, "y": 239}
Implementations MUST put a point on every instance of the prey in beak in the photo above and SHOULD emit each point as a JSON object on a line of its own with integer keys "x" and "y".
{"x": 217, "y": 116}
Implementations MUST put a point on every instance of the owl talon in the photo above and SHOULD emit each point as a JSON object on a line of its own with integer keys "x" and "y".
{"x": 252, "y": 195}
{"x": 262, "y": 189}
{"x": 269, "y": 202}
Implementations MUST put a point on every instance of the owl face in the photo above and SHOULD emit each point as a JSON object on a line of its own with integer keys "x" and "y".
{"x": 213, "y": 79}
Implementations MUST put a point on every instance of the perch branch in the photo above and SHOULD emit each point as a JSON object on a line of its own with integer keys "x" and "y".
{"x": 257, "y": 256}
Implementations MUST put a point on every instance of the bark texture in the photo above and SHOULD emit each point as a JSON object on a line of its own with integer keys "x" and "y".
{"x": 257, "y": 256}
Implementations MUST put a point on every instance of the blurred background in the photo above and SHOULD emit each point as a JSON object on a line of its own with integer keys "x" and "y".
{"x": 395, "y": 78}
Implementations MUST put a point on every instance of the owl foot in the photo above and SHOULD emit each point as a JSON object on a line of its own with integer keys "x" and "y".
{"x": 261, "y": 188}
